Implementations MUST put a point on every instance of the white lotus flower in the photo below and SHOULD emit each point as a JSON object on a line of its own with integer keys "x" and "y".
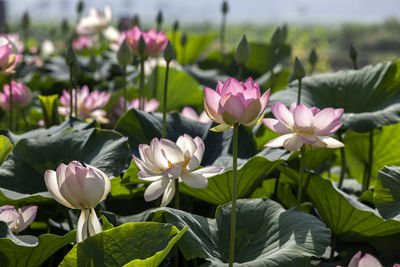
{"x": 17, "y": 220}
{"x": 95, "y": 22}
{"x": 164, "y": 161}
{"x": 79, "y": 187}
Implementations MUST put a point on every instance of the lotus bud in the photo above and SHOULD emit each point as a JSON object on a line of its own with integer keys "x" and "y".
{"x": 276, "y": 38}
{"x": 169, "y": 52}
{"x": 313, "y": 58}
{"x": 353, "y": 55}
{"x": 136, "y": 20}
{"x": 298, "y": 69}
{"x": 141, "y": 47}
{"x": 64, "y": 26}
{"x": 224, "y": 7}
{"x": 79, "y": 187}
{"x": 124, "y": 54}
{"x": 284, "y": 34}
{"x": 22, "y": 96}
{"x": 242, "y": 53}
{"x": 70, "y": 56}
{"x": 184, "y": 39}
{"x": 175, "y": 27}
{"x": 80, "y": 7}
{"x": 17, "y": 220}
{"x": 159, "y": 19}
{"x": 25, "y": 21}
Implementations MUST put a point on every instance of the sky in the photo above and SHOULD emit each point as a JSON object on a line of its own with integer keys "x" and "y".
{"x": 208, "y": 11}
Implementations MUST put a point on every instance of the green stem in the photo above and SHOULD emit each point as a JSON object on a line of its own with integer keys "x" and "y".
{"x": 355, "y": 66}
{"x": 299, "y": 93}
{"x": 11, "y": 109}
{"x": 141, "y": 85}
{"x": 343, "y": 161}
{"x": 164, "y": 122}
{"x": 240, "y": 72}
{"x": 177, "y": 206}
{"x": 24, "y": 117}
{"x": 301, "y": 172}
{"x": 275, "y": 194}
{"x": 222, "y": 34}
{"x": 371, "y": 158}
{"x": 333, "y": 247}
{"x": 234, "y": 188}
{"x": 70, "y": 93}
{"x": 125, "y": 93}
{"x": 154, "y": 93}
{"x": 183, "y": 54}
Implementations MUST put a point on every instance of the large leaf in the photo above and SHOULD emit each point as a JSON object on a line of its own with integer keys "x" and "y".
{"x": 24, "y": 170}
{"x": 387, "y": 192}
{"x": 350, "y": 220}
{"x": 75, "y": 124}
{"x": 15, "y": 252}
{"x": 196, "y": 44}
{"x": 385, "y": 152}
{"x": 266, "y": 234}
{"x": 250, "y": 175}
{"x": 5, "y": 148}
{"x": 183, "y": 90}
{"x": 141, "y": 127}
{"x": 370, "y": 96}
{"x": 131, "y": 244}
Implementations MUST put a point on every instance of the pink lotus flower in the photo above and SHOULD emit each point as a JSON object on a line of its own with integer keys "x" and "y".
{"x": 79, "y": 187}
{"x": 22, "y": 96}
{"x": 95, "y": 22}
{"x": 155, "y": 42}
{"x": 235, "y": 102}
{"x": 302, "y": 125}
{"x": 8, "y": 58}
{"x": 17, "y": 220}
{"x": 83, "y": 42}
{"x": 16, "y": 44}
{"x": 190, "y": 113}
{"x": 89, "y": 104}
{"x": 365, "y": 261}
{"x": 164, "y": 161}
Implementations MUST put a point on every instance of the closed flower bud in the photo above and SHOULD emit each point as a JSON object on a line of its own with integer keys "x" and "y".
{"x": 225, "y": 7}
{"x": 80, "y": 7}
{"x": 184, "y": 39}
{"x": 298, "y": 69}
{"x": 175, "y": 27}
{"x": 169, "y": 52}
{"x": 124, "y": 54}
{"x": 313, "y": 58}
{"x": 242, "y": 53}
{"x": 353, "y": 53}
{"x": 79, "y": 187}
{"x": 25, "y": 21}
{"x": 22, "y": 96}
{"x": 70, "y": 56}
{"x": 64, "y": 26}
{"x": 276, "y": 38}
{"x": 146, "y": 44}
{"x": 159, "y": 18}
{"x": 284, "y": 34}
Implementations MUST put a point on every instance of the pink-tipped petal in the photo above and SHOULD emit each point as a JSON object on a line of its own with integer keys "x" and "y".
{"x": 50, "y": 178}
{"x": 369, "y": 261}
{"x": 195, "y": 180}
{"x": 303, "y": 117}
{"x": 276, "y": 126}
{"x": 282, "y": 114}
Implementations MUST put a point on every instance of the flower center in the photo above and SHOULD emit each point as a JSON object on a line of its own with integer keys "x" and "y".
{"x": 303, "y": 131}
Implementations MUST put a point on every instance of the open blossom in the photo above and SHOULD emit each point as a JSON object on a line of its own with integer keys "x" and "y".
{"x": 89, "y": 104}
{"x": 79, "y": 187}
{"x": 155, "y": 42}
{"x": 190, "y": 113}
{"x": 47, "y": 48}
{"x": 17, "y": 220}
{"x": 82, "y": 42}
{"x": 235, "y": 102}
{"x": 302, "y": 125}
{"x": 21, "y": 95}
{"x": 8, "y": 56}
{"x": 164, "y": 161}
{"x": 95, "y": 22}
